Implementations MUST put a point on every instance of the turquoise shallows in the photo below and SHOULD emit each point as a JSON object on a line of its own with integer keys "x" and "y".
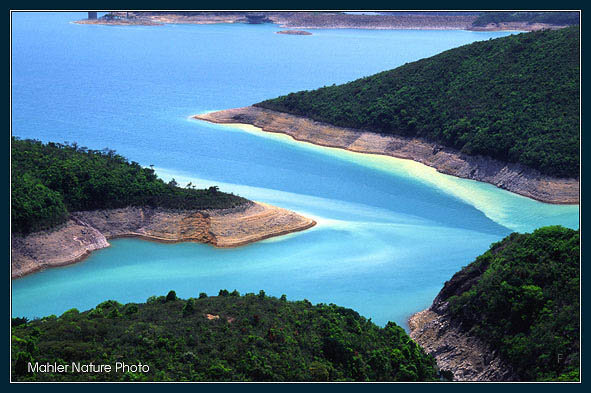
{"x": 390, "y": 232}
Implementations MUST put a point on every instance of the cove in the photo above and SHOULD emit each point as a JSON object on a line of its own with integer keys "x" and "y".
{"x": 389, "y": 233}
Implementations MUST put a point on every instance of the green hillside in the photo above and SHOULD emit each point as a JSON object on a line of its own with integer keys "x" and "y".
{"x": 514, "y": 98}
{"x": 549, "y": 17}
{"x": 50, "y": 180}
{"x": 224, "y": 338}
{"x": 522, "y": 297}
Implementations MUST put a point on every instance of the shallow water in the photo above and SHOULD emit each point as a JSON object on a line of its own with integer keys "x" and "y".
{"x": 390, "y": 232}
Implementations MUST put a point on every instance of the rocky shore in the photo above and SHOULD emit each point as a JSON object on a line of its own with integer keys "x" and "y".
{"x": 119, "y": 22}
{"x": 321, "y": 20}
{"x": 516, "y": 26}
{"x": 465, "y": 356}
{"x": 414, "y": 21}
{"x": 90, "y": 230}
{"x": 301, "y": 19}
{"x": 512, "y": 177}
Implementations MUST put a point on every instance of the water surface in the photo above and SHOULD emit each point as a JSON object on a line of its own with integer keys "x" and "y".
{"x": 390, "y": 232}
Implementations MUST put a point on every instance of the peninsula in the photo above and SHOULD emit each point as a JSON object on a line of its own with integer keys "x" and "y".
{"x": 68, "y": 201}
{"x": 503, "y": 111}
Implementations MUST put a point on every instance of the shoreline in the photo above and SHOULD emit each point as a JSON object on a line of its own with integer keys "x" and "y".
{"x": 316, "y": 20}
{"x": 87, "y": 231}
{"x": 510, "y": 177}
{"x": 454, "y": 350}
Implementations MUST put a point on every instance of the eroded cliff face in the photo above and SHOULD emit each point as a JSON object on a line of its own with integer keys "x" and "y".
{"x": 68, "y": 244}
{"x": 512, "y": 177}
{"x": 90, "y": 230}
{"x": 150, "y": 223}
{"x": 452, "y": 346}
{"x": 465, "y": 356}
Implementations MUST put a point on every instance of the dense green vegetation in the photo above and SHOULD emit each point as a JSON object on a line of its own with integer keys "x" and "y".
{"x": 549, "y": 17}
{"x": 514, "y": 98}
{"x": 525, "y": 302}
{"x": 224, "y": 338}
{"x": 50, "y": 180}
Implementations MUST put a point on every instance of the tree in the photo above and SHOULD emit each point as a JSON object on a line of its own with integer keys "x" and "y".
{"x": 188, "y": 308}
{"x": 22, "y": 361}
{"x": 171, "y": 296}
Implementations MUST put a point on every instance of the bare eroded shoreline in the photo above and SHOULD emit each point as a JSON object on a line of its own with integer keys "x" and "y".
{"x": 508, "y": 176}
{"x": 320, "y": 20}
{"x": 90, "y": 230}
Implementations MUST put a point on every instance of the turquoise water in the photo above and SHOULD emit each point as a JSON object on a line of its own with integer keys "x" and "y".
{"x": 390, "y": 232}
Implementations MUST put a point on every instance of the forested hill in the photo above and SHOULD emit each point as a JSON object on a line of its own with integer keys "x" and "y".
{"x": 522, "y": 298}
{"x": 514, "y": 98}
{"x": 224, "y": 338}
{"x": 50, "y": 180}
{"x": 548, "y": 17}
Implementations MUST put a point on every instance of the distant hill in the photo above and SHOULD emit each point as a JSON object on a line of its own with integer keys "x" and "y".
{"x": 546, "y": 17}
{"x": 223, "y": 338}
{"x": 514, "y": 98}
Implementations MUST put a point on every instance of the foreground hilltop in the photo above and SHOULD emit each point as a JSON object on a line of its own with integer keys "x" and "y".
{"x": 502, "y": 111}
{"x": 67, "y": 201}
{"x": 224, "y": 338}
{"x": 512, "y": 314}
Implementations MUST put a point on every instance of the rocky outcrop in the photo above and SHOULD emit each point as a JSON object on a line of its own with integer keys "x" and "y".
{"x": 512, "y": 177}
{"x": 237, "y": 227}
{"x": 65, "y": 245}
{"x": 149, "y": 223}
{"x": 90, "y": 230}
{"x": 465, "y": 356}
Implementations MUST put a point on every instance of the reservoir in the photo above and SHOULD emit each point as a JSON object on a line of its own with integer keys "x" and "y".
{"x": 390, "y": 232}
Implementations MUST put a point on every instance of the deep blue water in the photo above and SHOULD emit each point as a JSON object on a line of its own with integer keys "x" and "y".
{"x": 389, "y": 232}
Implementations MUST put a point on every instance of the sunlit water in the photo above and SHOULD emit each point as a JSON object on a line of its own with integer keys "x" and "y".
{"x": 390, "y": 232}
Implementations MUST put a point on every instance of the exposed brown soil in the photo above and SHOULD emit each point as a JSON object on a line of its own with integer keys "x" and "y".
{"x": 414, "y": 21}
{"x": 302, "y": 19}
{"x": 512, "y": 177}
{"x": 90, "y": 230}
{"x": 322, "y": 20}
{"x": 467, "y": 357}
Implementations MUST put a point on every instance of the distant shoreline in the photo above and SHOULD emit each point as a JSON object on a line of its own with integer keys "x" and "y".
{"x": 322, "y": 20}
{"x": 90, "y": 230}
{"x": 508, "y": 176}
